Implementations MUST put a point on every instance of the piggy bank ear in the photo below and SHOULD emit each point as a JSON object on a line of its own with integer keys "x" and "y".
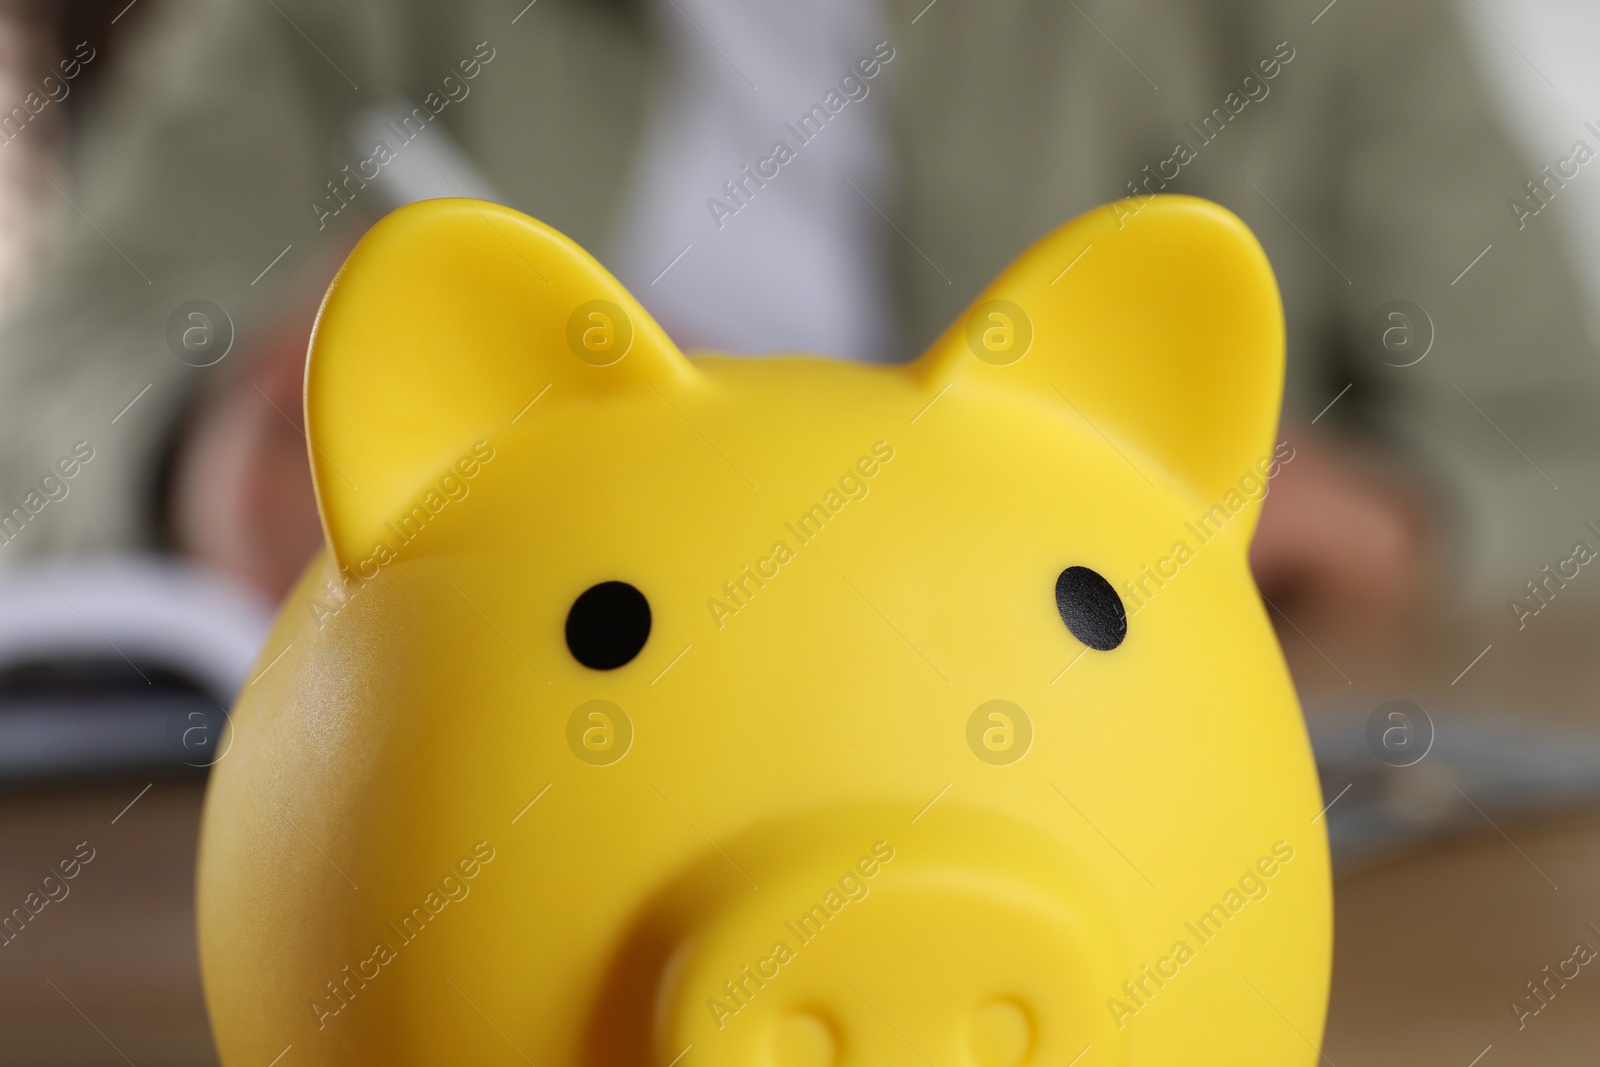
{"x": 1159, "y": 322}
{"x": 447, "y": 320}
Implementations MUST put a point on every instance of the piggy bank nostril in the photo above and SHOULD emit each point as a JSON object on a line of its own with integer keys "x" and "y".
{"x": 1002, "y": 1034}
{"x": 608, "y": 625}
{"x": 802, "y": 1039}
{"x": 1091, "y": 608}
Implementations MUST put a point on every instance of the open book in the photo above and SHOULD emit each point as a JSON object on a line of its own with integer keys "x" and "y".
{"x": 122, "y": 665}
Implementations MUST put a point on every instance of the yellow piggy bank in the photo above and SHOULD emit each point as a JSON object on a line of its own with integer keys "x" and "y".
{"x": 653, "y": 711}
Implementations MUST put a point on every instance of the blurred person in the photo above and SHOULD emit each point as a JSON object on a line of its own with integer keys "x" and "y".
{"x": 235, "y": 160}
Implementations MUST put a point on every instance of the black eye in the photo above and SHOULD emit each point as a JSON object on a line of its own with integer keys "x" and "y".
{"x": 608, "y": 625}
{"x": 1091, "y": 609}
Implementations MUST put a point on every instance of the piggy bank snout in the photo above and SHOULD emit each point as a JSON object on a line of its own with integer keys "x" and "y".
{"x": 969, "y": 942}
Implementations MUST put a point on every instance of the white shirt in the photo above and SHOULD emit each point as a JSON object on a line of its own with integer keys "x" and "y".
{"x": 737, "y": 245}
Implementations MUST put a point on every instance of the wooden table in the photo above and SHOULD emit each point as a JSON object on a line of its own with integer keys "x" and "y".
{"x": 1429, "y": 950}
{"x": 108, "y": 974}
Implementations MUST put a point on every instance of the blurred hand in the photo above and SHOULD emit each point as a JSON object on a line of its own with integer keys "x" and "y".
{"x": 241, "y": 491}
{"x": 1340, "y": 546}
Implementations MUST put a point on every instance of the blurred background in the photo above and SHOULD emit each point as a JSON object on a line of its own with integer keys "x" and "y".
{"x": 179, "y": 179}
